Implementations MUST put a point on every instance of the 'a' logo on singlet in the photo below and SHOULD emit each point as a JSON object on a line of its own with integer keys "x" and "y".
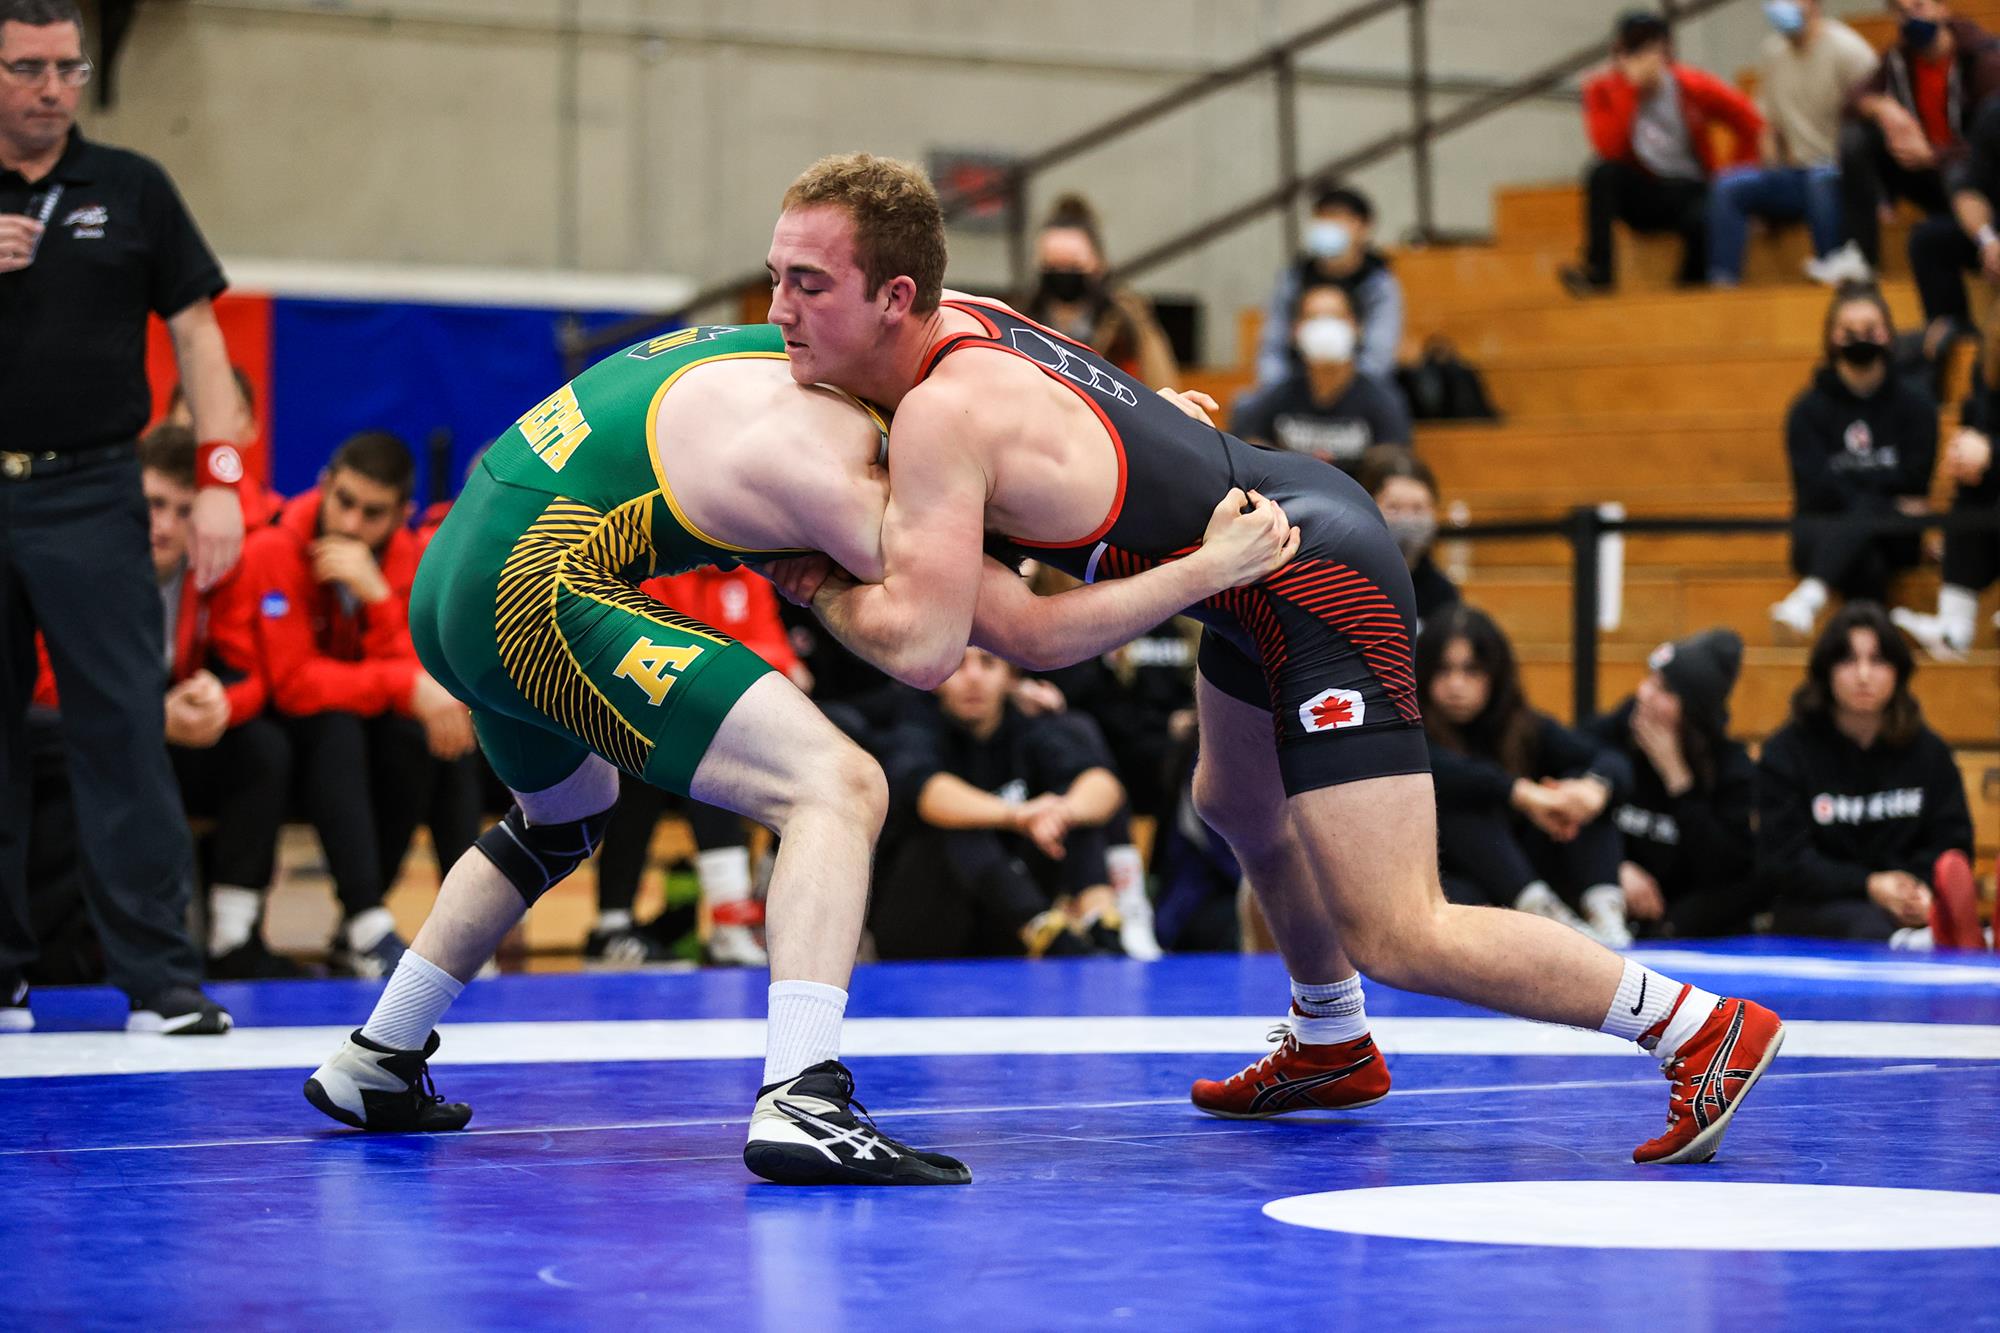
{"x": 1046, "y": 351}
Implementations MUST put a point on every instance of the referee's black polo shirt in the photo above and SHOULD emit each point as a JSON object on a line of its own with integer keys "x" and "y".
{"x": 118, "y": 243}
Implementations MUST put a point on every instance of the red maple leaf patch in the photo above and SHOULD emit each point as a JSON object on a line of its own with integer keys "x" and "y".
{"x": 1333, "y": 712}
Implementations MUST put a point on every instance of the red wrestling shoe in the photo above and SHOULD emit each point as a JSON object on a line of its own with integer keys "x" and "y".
{"x": 1955, "y": 904}
{"x": 1295, "y": 1077}
{"x": 1711, "y": 1074}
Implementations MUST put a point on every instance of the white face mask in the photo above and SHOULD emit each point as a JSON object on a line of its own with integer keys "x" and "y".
{"x": 1328, "y": 240}
{"x": 1326, "y": 338}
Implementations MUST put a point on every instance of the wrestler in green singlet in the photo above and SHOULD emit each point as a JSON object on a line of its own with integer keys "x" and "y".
{"x": 527, "y": 607}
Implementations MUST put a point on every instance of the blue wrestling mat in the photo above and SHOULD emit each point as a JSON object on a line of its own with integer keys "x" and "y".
{"x": 184, "y": 1183}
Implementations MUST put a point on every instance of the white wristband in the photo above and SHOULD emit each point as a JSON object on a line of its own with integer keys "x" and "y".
{"x": 1987, "y": 236}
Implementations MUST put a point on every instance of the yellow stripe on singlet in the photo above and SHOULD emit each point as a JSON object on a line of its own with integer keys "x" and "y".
{"x": 653, "y": 449}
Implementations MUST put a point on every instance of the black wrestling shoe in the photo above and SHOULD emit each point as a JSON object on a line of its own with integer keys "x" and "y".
{"x": 179, "y": 1011}
{"x": 370, "y": 1086}
{"x": 809, "y": 1130}
{"x": 252, "y": 960}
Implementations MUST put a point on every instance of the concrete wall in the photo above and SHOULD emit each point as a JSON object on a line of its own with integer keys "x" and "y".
{"x": 656, "y": 135}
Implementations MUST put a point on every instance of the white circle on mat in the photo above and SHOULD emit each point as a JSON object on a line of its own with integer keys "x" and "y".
{"x": 1656, "y": 1215}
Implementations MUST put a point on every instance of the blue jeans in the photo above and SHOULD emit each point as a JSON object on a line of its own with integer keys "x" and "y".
{"x": 1778, "y": 194}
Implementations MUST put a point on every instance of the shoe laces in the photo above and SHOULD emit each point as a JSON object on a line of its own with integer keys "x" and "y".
{"x": 1281, "y": 1033}
{"x": 1679, "y": 1097}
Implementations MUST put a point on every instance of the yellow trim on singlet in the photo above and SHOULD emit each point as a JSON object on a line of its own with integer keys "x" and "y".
{"x": 660, "y": 473}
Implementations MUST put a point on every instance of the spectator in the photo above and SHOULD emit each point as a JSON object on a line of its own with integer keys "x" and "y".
{"x": 1325, "y": 407}
{"x": 1907, "y": 129}
{"x": 1944, "y": 248}
{"x": 332, "y": 579}
{"x": 1863, "y": 832}
{"x": 1072, "y": 298}
{"x": 93, "y": 239}
{"x": 1340, "y": 250}
{"x": 1689, "y": 851}
{"x": 1404, "y": 490}
{"x": 1811, "y": 64}
{"x": 1649, "y": 121}
{"x": 1000, "y": 828}
{"x": 1521, "y": 798}
{"x": 743, "y": 606}
{"x": 1971, "y": 558}
{"x": 1861, "y": 442}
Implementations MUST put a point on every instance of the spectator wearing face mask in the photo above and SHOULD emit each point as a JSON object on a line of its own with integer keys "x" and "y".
{"x": 1405, "y": 491}
{"x": 1863, "y": 831}
{"x": 1862, "y": 441}
{"x": 1325, "y": 407}
{"x": 1907, "y": 128}
{"x": 1971, "y": 557}
{"x": 1072, "y": 297}
{"x": 1689, "y": 850}
{"x": 1649, "y": 119}
{"x": 1339, "y": 250}
{"x": 1811, "y": 64}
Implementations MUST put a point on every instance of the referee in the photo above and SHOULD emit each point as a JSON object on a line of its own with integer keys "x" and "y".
{"x": 91, "y": 239}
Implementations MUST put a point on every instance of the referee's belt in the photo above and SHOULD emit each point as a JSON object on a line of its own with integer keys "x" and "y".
{"x": 49, "y": 463}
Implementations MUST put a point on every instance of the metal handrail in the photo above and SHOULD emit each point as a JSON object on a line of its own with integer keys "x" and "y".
{"x": 1584, "y": 525}
{"x": 1280, "y": 61}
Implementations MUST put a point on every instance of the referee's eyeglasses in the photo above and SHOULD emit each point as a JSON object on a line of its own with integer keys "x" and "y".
{"x": 31, "y": 73}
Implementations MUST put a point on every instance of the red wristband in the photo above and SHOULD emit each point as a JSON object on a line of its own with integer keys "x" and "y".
{"x": 217, "y": 463}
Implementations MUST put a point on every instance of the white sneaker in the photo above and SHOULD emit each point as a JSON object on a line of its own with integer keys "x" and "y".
{"x": 1541, "y": 900}
{"x": 1604, "y": 908}
{"x": 1931, "y": 632}
{"x": 735, "y": 946}
{"x": 1793, "y": 617}
{"x": 1837, "y": 266}
{"x": 1135, "y": 924}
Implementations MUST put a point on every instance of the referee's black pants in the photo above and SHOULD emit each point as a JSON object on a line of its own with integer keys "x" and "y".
{"x": 76, "y": 563}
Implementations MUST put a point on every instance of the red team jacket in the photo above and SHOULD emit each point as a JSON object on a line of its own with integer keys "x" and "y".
{"x": 1611, "y": 104}
{"x": 323, "y": 652}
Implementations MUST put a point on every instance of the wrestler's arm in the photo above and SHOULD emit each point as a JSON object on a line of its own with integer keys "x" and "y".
{"x": 916, "y": 622}
{"x": 1043, "y": 633}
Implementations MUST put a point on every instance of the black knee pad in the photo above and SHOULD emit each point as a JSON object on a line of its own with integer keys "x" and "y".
{"x": 535, "y": 857}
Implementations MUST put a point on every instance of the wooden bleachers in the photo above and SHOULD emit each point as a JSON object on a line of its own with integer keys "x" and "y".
{"x": 1667, "y": 401}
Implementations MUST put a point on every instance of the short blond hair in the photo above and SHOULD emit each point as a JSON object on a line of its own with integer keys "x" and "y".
{"x": 898, "y": 222}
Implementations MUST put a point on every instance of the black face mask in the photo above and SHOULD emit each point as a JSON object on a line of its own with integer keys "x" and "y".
{"x": 1065, "y": 286}
{"x": 1918, "y": 34}
{"x": 1862, "y": 353}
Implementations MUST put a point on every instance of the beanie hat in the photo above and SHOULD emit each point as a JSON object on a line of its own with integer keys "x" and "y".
{"x": 1701, "y": 671}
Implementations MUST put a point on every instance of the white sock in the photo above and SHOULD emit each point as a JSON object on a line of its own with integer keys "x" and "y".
{"x": 1645, "y": 999}
{"x": 1328, "y": 1013}
{"x": 724, "y": 874}
{"x": 614, "y": 920}
{"x": 232, "y": 916}
{"x": 804, "y": 1028}
{"x": 418, "y": 994}
{"x": 1811, "y": 594}
{"x": 367, "y": 929}
{"x": 1957, "y": 608}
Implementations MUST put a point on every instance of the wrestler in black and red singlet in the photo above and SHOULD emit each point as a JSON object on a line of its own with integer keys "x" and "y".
{"x": 1324, "y": 643}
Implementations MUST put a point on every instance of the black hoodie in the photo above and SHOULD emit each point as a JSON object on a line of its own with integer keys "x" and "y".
{"x": 1830, "y": 813}
{"x": 1856, "y": 455}
{"x": 1697, "y": 840}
